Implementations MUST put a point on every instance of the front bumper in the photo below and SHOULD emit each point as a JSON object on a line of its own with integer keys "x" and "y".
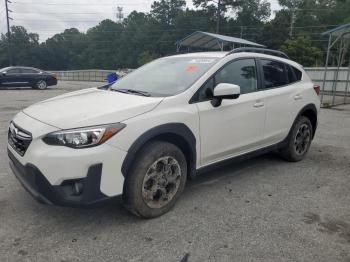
{"x": 63, "y": 195}
{"x": 56, "y": 166}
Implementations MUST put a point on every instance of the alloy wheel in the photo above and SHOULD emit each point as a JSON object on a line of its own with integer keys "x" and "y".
{"x": 302, "y": 139}
{"x": 161, "y": 182}
{"x": 41, "y": 84}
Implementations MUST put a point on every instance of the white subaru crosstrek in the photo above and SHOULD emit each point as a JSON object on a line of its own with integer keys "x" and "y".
{"x": 146, "y": 134}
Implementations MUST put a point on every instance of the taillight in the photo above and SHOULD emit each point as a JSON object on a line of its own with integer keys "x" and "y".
{"x": 317, "y": 89}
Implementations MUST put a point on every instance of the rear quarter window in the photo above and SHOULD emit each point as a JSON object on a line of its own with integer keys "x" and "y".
{"x": 298, "y": 73}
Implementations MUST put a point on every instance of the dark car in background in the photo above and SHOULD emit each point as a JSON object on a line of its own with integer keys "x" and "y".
{"x": 26, "y": 76}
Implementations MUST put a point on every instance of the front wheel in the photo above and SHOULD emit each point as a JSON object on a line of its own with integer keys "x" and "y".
{"x": 156, "y": 180}
{"x": 299, "y": 140}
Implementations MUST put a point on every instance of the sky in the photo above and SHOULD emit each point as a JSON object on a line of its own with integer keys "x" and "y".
{"x": 49, "y": 17}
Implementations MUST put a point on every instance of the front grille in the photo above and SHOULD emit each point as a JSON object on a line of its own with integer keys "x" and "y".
{"x": 19, "y": 139}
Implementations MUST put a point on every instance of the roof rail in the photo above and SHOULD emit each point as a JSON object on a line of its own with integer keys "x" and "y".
{"x": 259, "y": 50}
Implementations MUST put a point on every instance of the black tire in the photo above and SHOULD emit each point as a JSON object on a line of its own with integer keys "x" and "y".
{"x": 297, "y": 144}
{"x": 41, "y": 84}
{"x": 136, "y": 183}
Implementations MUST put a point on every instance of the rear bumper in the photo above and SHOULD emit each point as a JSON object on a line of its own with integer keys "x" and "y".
{"x": 63, "y": 195}
{"x": 51, "y": 81}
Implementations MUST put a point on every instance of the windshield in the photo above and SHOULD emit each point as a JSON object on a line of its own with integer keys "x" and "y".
{"x": 166, "y": 76}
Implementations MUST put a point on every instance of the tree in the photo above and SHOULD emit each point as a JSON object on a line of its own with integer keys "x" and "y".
{"x": 218, "y": 7}
{"x": 275, "y": 32}
{"x": 166, "y": 11}
{"x": 291, "y": 4}
{"x": 146, "y": 57}
{"x": 22, "y": 44}
{"x": 301, "y": 50}
{"x": 253, "y": 12}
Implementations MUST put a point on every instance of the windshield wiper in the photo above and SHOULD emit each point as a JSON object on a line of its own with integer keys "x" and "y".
{"x": 132, "y": 91}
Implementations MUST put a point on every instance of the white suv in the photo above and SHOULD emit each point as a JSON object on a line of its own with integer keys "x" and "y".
{"x": 146, "y": 134}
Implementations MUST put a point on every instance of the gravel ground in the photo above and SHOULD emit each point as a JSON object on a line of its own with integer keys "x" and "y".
{"x": 263, "y": 209}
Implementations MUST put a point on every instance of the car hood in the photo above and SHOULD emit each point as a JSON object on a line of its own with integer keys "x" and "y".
{"x": 90, "y": 107}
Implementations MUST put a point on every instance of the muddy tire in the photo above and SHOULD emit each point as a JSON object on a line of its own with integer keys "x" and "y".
{"x": 299, "y": 140}
{"x": 156, "y": 180}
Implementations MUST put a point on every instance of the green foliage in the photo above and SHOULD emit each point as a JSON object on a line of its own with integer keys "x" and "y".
{"x": 300, "y": 49}
{"x": 146, "y": 57}
{"x": 166, "y": 11}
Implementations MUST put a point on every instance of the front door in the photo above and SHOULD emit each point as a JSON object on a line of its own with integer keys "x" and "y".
{"x": 237, "y": 125}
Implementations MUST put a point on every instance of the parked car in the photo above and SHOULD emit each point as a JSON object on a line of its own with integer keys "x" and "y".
{"x": 26, "y": 76}
{"x": 146, "y": 134}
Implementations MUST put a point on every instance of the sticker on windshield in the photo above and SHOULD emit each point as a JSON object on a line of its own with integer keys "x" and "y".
{"x": 201, "y": 61}
{"x": 191, "y": 68}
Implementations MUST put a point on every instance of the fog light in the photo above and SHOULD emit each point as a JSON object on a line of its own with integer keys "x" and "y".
{"x": 77, "y": 188}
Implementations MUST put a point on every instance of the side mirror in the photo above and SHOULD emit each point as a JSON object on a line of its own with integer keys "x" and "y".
{"x": 225, "y": 91}
{"x": 4, "y": 73}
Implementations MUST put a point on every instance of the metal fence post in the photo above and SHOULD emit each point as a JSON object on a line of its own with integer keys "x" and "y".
{"x": 326, "y": 67}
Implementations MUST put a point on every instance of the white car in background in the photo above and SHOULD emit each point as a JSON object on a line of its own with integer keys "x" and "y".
{"x": 146, "y": 134}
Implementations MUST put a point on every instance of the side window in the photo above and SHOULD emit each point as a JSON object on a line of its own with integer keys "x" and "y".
{"x": 29, "y": 71}
{"x": 291, "y": 75}
{"x": 206, "y": 91}
{"x": 241, "y": 72}
{"x": 14, "y": 71}
{"x": 275, "y": 74}
{"x": 298, "y": 73}
{"x": 294, "y": 74}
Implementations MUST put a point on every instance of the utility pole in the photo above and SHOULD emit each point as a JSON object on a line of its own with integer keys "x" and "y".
{"x": 292, "y": 21}
{"x": 218, "y": 19}
{"x": 8, "y": 31}
{"x": 242, "y": 28}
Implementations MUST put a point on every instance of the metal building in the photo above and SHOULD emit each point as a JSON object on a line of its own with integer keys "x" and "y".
{"x": 335, "y": 86}
{"x": 205, "y": 40}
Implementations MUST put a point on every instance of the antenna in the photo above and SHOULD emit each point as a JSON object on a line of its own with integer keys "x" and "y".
{"x": 120, "y": 14}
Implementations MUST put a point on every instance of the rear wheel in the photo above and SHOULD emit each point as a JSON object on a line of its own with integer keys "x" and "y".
{"x": 299, "y": 140}
{"x": 156, "y": 180}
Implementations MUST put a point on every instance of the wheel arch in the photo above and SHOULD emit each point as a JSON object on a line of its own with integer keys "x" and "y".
{"x": 309, "y": 111}
{"x": 176, "y": 133}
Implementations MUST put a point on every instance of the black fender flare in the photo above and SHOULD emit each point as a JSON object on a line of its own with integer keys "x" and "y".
{"x": 311, "y": 107}
{"x": 176, "y": 129}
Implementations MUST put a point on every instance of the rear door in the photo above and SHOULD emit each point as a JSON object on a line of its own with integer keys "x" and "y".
{"x": 29, "y": 75}
{"x": 236, "y": 126}
{"x": 282, "y": 98}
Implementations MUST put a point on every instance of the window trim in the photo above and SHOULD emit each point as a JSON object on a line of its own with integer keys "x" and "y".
{"x": 258, "y": 86}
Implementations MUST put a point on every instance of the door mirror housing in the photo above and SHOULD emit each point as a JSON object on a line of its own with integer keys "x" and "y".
{"x": 4, "y": 73}
{"x": 225, "y": 91}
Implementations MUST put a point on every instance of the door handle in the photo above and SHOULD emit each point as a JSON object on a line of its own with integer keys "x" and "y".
{"x": 298, "y": 97}
{"x": 259, "y": 104}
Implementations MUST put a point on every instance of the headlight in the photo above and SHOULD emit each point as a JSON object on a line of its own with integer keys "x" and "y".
{"x": 83, "y": 137}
